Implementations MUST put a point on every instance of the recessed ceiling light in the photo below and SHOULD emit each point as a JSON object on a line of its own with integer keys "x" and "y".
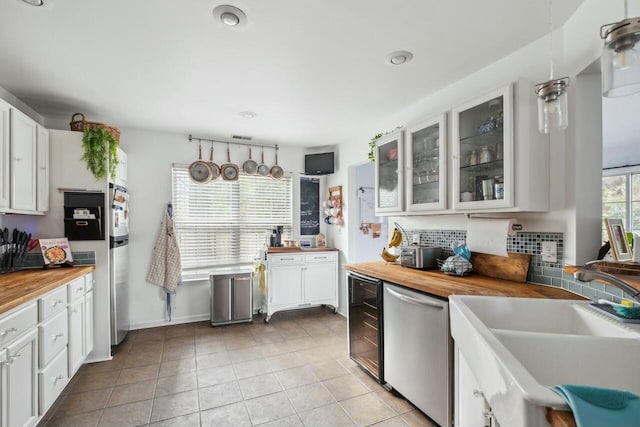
{"x": 248, "y": 114}
{"x": 230, "y": 16}
{"x": 34, "y": 2}
{"x": 399, "y": 57}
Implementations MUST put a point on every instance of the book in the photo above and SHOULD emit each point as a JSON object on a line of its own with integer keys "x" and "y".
{"x": 56, "y": 251}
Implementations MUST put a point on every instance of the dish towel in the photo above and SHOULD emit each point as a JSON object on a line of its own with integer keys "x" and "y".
{"x": 262, "y": 280}
{"x": 600, "y": 407}
{"x": 166, "y": 268}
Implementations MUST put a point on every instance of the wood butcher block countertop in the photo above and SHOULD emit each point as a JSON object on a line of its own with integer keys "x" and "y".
{"x": 24, "y": 286}
{"x": 442, "y": 285}
{"x": 439, "y": 284}
{"x": 296, "y": 250}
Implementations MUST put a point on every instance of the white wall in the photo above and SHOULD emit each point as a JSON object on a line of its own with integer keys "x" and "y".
{"x": 150, "y": 155}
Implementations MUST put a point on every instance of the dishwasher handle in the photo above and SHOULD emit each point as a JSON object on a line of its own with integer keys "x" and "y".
{"x": 367, "y": 279}
{"x": 412, "y": 300}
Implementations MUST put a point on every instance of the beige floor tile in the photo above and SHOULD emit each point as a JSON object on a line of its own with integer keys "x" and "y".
{"x": 180, "y": 330}
{"x": 391, "y": 422}
{"x": 146, "y": 347}
{"x": 137, "y": 374}
{"x": 179, "y": 352}
{"x": 367, "y": 409}
{"x": 87, "y": 419}
{"x": 269, "y": 408}
{"x": 275, "y": 349}
{"x": 268, "y": 337}
{"x": 328, "y": 369}
{"x": 213, "y": 376}
{"x": 176, "y": 384}
{"x": 174, "y": 405}
{"x": 284, "y": 361}
{"x": 345, "y": 387}
{"x": 259, "y": 386}
{"x": 86, "y": 382}
{"x": 290, "y": 421}
{"x": 143, "y": 358}
{"x": 219, "y": 395}
{"x": 131, "y": 393}
{"x": 417, "y": 419}
{"x": 210, "y": 347}
{"x": 108, "y": 366}
{"x": 310, "y": 396}
{"x": 129, "y": 415}
{"x": 315, "y": 354}
{"x": 244, "y": 354}
{"x": 296, "y": 377}
{"x": 315, "y": 329}
{"x": 331, "y": 415}
{"x": 230, "y": 415}
{"x": 293, "y": 333}
{"x": 179, "y": 341}
{"x": 175, "y": 367}
{"x": 235, "y": 342}
{"x": 251, "y": 368}
{"x": 83, "y": 402}
{"x": 304, "y": 343}
{"x": 398, "y": 404}
{"x": 191, "y": 420}
{"x": 213, "y": 360}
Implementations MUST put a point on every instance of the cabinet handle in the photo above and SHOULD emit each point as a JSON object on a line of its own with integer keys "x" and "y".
{"x": 43, "y": 168}
{"x": 58, "y": 378}
{"x": 17, "y": 159}
{"x": 287, "y": 259}
{"x": 9, "y": 331}
{"x": 477, "y": 393}
{"x": 13, "y": 358}
{"x": 320, "y": 257}
{"x": 57, "y": 302}
{"x": 56, "y": 336}
{"x": 75, "y": 310}
{"x": 79, "y": 290}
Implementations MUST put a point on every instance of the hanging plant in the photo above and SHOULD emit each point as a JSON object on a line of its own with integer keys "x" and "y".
{"x": 372, "y": 147}
{"x": 98, "y": 143}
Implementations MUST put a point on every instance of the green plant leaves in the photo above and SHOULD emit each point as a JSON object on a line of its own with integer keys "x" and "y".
{"x": 98, "y": 143}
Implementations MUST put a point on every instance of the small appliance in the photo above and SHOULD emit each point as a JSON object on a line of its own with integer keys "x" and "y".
{"x": 420, "y": 257}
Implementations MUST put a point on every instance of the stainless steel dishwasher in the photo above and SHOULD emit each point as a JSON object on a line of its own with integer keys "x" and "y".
{"x": 231, "y": 298}
{"x": 417, "y": 350}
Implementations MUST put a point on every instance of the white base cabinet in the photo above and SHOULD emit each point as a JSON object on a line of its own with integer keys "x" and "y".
{"x": 471, "y": 408}
{"x": 21, "y": 382}
{"x": 301, "y": 280}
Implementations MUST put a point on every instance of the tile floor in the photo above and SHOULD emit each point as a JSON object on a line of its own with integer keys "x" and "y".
{"x": 295, "y": 371}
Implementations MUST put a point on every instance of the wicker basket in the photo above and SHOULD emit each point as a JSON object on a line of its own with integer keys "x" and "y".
{"x": 78, "y": 123}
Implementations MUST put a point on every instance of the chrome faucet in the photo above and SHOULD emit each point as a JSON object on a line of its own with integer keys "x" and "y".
{"x": 587, "y": 275}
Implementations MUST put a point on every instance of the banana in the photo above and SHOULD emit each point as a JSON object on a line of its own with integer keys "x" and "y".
{"x": 396, "y": 238}
{"x": 387, "y": 256}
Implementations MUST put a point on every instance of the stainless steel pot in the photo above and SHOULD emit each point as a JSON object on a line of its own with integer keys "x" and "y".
{"x": 200, "y": 171}
{"x": 276, "y": 171}
{"x": 263, "y": 170}
{"x": 229, "y": 171}
{"x": 250, "y": 166}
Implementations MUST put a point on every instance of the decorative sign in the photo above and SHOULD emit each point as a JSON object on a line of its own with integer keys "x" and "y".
{"x": 56, "y": 251}
{"x": 309, "y": 206}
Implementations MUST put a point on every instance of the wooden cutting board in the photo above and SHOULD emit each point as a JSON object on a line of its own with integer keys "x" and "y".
{"x": 513, "y": 267}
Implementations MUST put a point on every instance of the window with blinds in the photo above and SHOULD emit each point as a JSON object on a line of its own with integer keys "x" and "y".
{"x": 224, "y": 222}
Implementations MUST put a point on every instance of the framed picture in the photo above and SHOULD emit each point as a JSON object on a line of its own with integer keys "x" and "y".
{"x": 618, "y": 239}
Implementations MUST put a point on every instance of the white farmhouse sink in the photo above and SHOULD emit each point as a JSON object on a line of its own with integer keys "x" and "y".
{"x": 517, "y": 347}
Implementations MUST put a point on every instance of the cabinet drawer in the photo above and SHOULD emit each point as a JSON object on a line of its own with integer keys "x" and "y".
{"x": 321, "y": 257}
{"x": 286, "y": 259}
{"x": 52, "y": 380}
{"x": 14, "y": 324}
{"x": 75, "y": 289}
{"x": 52, "y": 303}
{"x": 54, "y": 335}
{"x": 88, "y": 282}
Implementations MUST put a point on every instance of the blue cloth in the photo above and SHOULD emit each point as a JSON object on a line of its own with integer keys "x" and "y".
{"x": 601, "y": 407}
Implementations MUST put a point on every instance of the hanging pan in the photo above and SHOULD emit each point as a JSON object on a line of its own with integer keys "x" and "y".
{"x": 276, "y": 171}
{"x": 250, "y": 166}
{"x": 215, "y": 169}
{"x": 263, "y": 170}
{"x": 229, "y": 171}
{"x": 200, "y": 171}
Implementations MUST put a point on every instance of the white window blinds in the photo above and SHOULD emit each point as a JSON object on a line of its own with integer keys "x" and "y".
{"x": 225, "y": 223}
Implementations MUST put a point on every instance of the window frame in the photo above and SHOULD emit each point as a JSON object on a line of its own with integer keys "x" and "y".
{"x": 627, "y": 172}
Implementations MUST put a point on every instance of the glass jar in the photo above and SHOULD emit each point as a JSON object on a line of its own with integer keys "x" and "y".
{"x": 486, "y": 155}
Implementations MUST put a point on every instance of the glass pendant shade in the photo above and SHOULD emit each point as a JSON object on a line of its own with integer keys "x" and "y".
{"x": 553, "y": 109}
{"x": 621, "y": 58}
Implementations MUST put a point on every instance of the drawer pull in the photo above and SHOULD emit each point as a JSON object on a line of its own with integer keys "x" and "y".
{"x": 13, "y": 358}
{"x": 477, "y": 393}
{"x": 287, "y": 259}
{"x": 58, "y": 378}
{"x": 56, "y": 302}
{"x": 79, "y": 290}
{"x": 56, "y": 336}
{"x": 9, "y": 331}
{"x": 75, "y": 310}
{"x": 319, "y": 257}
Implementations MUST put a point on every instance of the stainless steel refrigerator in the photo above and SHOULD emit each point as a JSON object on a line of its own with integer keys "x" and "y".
{"x": 119, "y": 262}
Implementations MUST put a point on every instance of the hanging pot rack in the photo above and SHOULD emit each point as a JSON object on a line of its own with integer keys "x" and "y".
{"x": 249, "y": 144}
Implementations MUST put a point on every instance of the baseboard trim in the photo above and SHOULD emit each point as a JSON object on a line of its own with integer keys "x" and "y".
{"x": 174, "y": 321}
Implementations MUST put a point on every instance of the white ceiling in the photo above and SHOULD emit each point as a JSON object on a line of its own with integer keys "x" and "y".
{"x": 312, "y": 70}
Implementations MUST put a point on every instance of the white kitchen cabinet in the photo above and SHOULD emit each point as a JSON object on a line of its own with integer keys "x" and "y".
{"x": 389, "y": 173}
{"x": 76, "y": 339}
{"x": 23, "y": 161}
{"x": 5, "y": 154}
{"x": 469, "y": 403}
{"x": 42, "y": 172}
{"x": 301, "y": 280}
{"x": 426, "y": 172}
{"x": 21, "y": 382}
{"x": 500, "y": 161}
{"x": 88, "y": 323}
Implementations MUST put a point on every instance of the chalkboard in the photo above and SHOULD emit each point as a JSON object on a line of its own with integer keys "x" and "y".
{"x": 309, "y": 206}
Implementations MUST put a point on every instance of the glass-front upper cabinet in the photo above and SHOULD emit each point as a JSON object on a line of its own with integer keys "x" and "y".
{"x": 426, "y": 172}
{"x": 483, "y": 152}
{"x": 389, "y": 177}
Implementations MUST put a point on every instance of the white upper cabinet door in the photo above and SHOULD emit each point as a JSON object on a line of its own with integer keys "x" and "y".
{"x": 389, "y": 173}
{"x": 426, "y": 172}
{"x": 23, "y": 162}
{"x": 43, "y": 170}
{"x": 5, "y": 153}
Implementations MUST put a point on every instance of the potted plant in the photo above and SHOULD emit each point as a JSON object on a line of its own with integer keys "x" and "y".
{"x": 372, "y": 147}
{"x": 98, "y": 143}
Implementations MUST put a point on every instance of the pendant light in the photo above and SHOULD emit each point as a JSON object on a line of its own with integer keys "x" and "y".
{"x": 621, "y": 56}
{"x": 552, "y": 94}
